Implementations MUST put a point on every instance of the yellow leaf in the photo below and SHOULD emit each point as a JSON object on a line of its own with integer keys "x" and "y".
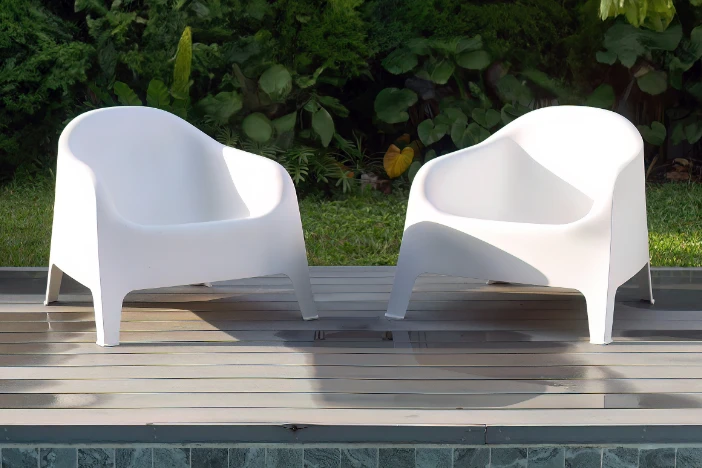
{"x": 396, "y": 162}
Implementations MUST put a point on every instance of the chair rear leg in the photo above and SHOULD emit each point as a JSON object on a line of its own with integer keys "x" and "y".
{"x": 600, "y": 313}
{"x": 53, "y": 284}
{"x": 406, "y": 275}
{"x": 300, "y": 278}
{"x": 108, "y": 315}
{"x": 643, "y": 278}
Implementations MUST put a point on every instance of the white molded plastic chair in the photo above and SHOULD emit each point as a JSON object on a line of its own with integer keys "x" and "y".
{"x": 146, "y": 200}
{"x": 555, "y": 198}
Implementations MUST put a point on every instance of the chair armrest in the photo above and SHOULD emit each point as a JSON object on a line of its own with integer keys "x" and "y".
{"x": 263, "y": 184}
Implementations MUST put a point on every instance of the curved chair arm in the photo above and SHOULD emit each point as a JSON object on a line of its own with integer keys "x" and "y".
{"x": 263, "y": 184}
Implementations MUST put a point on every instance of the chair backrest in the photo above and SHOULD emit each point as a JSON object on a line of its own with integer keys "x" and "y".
{"x": 581, "y": 145}
{"x": 156, "y": 167}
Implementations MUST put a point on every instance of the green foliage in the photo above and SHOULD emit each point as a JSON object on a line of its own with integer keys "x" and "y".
{"x": 391, "y": 104}
{"x": 653, "y": 14}
{"x": 300, "y": 81}
{"x": 41, "y": 67}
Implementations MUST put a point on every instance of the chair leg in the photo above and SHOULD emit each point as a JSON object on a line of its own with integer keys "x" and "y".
{"x": 405, "y": 277}
{"x": 643, "y": 277}
{"x": 600, "y": 314}
{"x": 303, "y": 291}
{"x": 108, "y": 316}
{"x": 53, "y": 284}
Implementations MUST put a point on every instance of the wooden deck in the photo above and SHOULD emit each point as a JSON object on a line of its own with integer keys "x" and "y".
{"x": 468, "y": 358}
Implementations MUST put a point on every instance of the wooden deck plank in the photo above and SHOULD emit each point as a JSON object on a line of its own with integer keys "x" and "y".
{"x": 353, "y": 386}
{"x": 363, "y": 360}
{"x": 351, "y": 417}
{"x": 176, "y": 371}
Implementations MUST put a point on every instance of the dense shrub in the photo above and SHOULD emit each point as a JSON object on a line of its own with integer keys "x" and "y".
{"x": 325, "y": 86}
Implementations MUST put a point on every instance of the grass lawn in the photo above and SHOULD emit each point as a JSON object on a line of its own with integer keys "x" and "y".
{"x": 360, "y": 230}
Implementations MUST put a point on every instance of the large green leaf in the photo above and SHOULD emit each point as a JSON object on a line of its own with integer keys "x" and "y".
{"x": 257, "y": 127}
{"x": 514, "y": 91}
{"x": 334, "y": 105}
{"x": 693, "y": 132}
{"x": 323, "y": 124}
{"x": 285, "y": 123}
{"x": 474, "y": 60}
{"x": 304, "y": 81}
{"x": 654, "y": 82}
{"x": 157, "y": 95}
{"x": 400, "y": 61}
{"x": 276, "y": 82}
{"x": 472, "y": 134}
{"x": 430, "y": 133}
{"x": 438, "y": 70}
{"x": 655, "y": 134}
{"x": 629, "y": 42}
{"x": 419, "y": 46}
{"x": 602, "y": 97}
{"x": 606, "y": 56}
{"x": 446, "y": 46}
{"x": 413, "y": 169}
{"x": 678, "y": 135}
{"x": 126, "y": 95}
{"x": 510, "y": 112}
{"x": 552, "y": 85}
{"x": 183, "y": 62}
{"x": 222, "y": 106}
{"x": 486, "y": 118}
{"x": 391, "y": 104}
{"x": 467, "y": 44}
{"x": 689, "y": 52}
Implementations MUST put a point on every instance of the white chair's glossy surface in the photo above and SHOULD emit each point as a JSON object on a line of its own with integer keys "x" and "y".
{"x": 555, "y": 198}
{"x": 146, "y": 200}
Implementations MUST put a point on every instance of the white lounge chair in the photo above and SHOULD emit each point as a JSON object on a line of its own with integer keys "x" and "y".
{"x": 555, "y": 198}
{"x": 146, "y": 200}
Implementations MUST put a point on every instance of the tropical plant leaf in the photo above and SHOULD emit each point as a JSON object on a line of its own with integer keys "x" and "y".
{"x": 323, "y": 125}
{"x": 257, "y": 127}
{"x": 430, "y": 133}
{"x": 183, "y": 63}
{"x": 602, "y": 97}
{"x": 654, "y": 82}
{"x": 400, "y": 61}
{"x": 678, "y": 135}
{"x": 276, "y": 82}
{"x": 157, "y": 95}
{"x": 467, "y": 44}
{"x": 474, "y": 60}
{"x": 431, "y": 154}
{"x": 126, "y": 95}
{"x": 285, "y": 123}
{"x": 413, "y": 169}
{"x": 438, "y": 70}
{"x": 689, "y": 52}
{"x": 629, "y": 42}
{"x": 693, "y": 132}
{"x": 510, "y": 112}
{"x": 419, "y": 46}
{"x": 391, "y": 104}
{"x": 486, "y": 118}
{"x": 514, "y": 91}
{"x": 606, "y": 56}
{"x": 307, "y": 81}
{"x": 222, "y": 106}
{"x": 654, "y": 134}
{"x": 397, "y": 161}
{"x": 334, "y": 105}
